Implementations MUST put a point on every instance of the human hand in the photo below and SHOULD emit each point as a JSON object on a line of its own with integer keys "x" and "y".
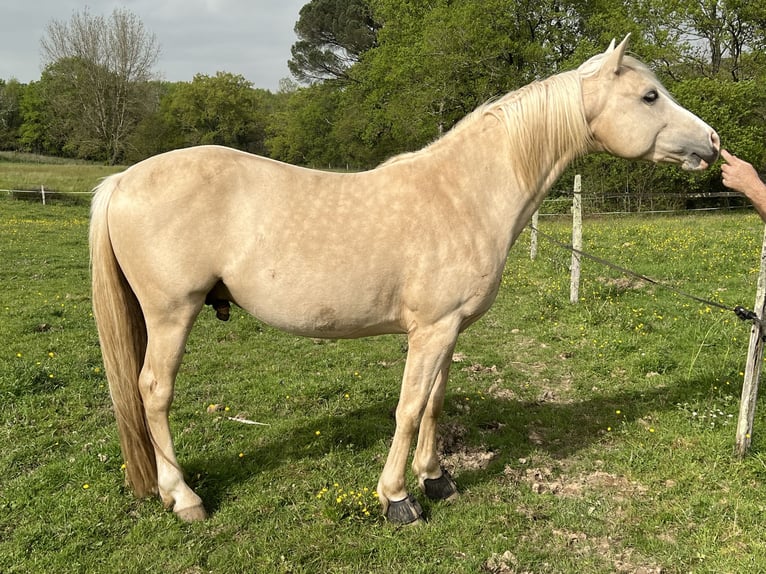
{"x": 739, "y": 175}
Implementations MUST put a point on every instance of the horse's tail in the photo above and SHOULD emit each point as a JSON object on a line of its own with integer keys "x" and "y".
{"x": 122, "y": 333}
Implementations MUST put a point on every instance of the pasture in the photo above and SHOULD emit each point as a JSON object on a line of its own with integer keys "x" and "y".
{"x": 591, "y": 438}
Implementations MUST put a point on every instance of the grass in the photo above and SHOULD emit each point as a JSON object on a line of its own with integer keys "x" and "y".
{"x": 27, "y": 172}
{"x": 594, "y": 438}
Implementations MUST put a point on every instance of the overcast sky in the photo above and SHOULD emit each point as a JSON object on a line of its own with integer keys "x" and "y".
{"x": 247, "y": 37}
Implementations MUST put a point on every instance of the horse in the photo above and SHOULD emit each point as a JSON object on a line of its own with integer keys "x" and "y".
{"x": 415, "y": 246}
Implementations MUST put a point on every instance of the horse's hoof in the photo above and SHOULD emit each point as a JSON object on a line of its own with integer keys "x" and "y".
{"x": 191, "y": 514}
{"x": 403, "y": 512}
{"x": 442, "y": 488}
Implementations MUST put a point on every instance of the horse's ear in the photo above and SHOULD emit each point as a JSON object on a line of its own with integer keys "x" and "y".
{"x": 613, "y": 57}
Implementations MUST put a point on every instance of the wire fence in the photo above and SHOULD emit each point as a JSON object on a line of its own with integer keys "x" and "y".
{"x": 644, "y": 203}
{"x": 592, "y": 204}
{"x": 46, "y": 196}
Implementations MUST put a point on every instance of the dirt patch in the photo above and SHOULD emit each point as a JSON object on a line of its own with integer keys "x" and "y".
{"x": 496, "y": 391}
{"x": 546, "y": 477}
{"x": 543, "y": 480}
{"x": 505, "y": 563}
{"x": 623, "y": 283}
{"x": 456, "y": 456}
{"x": 611, "y": 550}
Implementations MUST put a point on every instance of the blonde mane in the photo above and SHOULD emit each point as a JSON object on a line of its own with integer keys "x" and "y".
{"x": 545, "y": 120}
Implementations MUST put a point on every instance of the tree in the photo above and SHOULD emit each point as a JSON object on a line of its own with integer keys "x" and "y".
{"x": 223, "y": 109}
{"x": 105, "y": 79}
{"x": 434, "y": 62}
{"x": 11, "y": 93}
{"x": 332, "y": 35}
{"x": 302, "y": 132}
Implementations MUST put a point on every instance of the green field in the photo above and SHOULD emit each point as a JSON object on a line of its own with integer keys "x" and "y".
{"x": 28, "y": 172}
{"x": 589, "y": 438}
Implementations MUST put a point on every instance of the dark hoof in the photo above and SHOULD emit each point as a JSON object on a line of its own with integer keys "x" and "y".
{"x": 406, "y": 511}
{"x": 442, "y": 488}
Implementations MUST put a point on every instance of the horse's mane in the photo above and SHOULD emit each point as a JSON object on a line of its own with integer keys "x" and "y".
{"x": 544, "y": 120}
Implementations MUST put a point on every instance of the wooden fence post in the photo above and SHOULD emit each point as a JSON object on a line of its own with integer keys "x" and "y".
{"x": 533, "y": 238}
{"x": 42, "y": 192}
{"x": 753, "y": 366}
{"x": 574, "y": 285}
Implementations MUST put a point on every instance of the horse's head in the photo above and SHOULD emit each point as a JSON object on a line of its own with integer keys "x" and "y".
{"x": 631, "y": 115}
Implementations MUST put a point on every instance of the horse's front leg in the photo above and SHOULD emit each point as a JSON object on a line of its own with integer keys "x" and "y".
{"x": 434, "y": 481}
{"x": 430, "y": 348}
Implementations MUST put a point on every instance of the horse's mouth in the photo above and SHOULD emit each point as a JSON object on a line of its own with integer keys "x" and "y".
{"x": 696, "y": 162}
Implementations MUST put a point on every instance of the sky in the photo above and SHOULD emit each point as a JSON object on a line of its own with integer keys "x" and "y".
{"x": 251, "y": 38}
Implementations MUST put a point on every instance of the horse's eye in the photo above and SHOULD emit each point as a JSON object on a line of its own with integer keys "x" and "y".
{"x": 651, "y": 96}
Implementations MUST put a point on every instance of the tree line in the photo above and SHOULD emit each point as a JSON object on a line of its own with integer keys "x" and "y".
{"x": 373, "y": 78}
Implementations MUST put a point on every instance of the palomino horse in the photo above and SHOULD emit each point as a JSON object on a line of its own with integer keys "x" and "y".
{"x": 415, "y": 246}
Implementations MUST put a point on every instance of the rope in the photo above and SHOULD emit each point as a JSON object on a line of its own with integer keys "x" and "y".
{"x": 738, "y": 310}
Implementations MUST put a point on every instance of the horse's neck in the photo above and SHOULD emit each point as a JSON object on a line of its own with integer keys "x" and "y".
{"x": 487, "y": 165}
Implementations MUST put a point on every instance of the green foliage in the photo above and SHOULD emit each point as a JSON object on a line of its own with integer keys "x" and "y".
{"x": 11, "y": 93}
{"x": 37, "y": 133}
{"x": 223, "y": 109}
{"x": 299, "y": 132}
{"x": 332, "y": 34}
{"x": 736, "y": 109}
{"x": 436, "y": 62}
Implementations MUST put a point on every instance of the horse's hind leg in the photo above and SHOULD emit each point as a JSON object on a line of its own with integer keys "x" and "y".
{"x": 436, "y": 483}
{"x": 167, "y": 336}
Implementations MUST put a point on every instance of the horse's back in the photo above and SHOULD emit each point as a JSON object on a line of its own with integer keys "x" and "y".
{"x": 311, "y": 252}
{"x": 293, "y": 246}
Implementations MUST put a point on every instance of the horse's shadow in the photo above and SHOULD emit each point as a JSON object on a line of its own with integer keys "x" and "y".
{"x": 512, "y": 429}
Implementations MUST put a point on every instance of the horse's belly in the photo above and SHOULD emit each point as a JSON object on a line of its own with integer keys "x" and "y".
{"x": 333, "y": 310}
